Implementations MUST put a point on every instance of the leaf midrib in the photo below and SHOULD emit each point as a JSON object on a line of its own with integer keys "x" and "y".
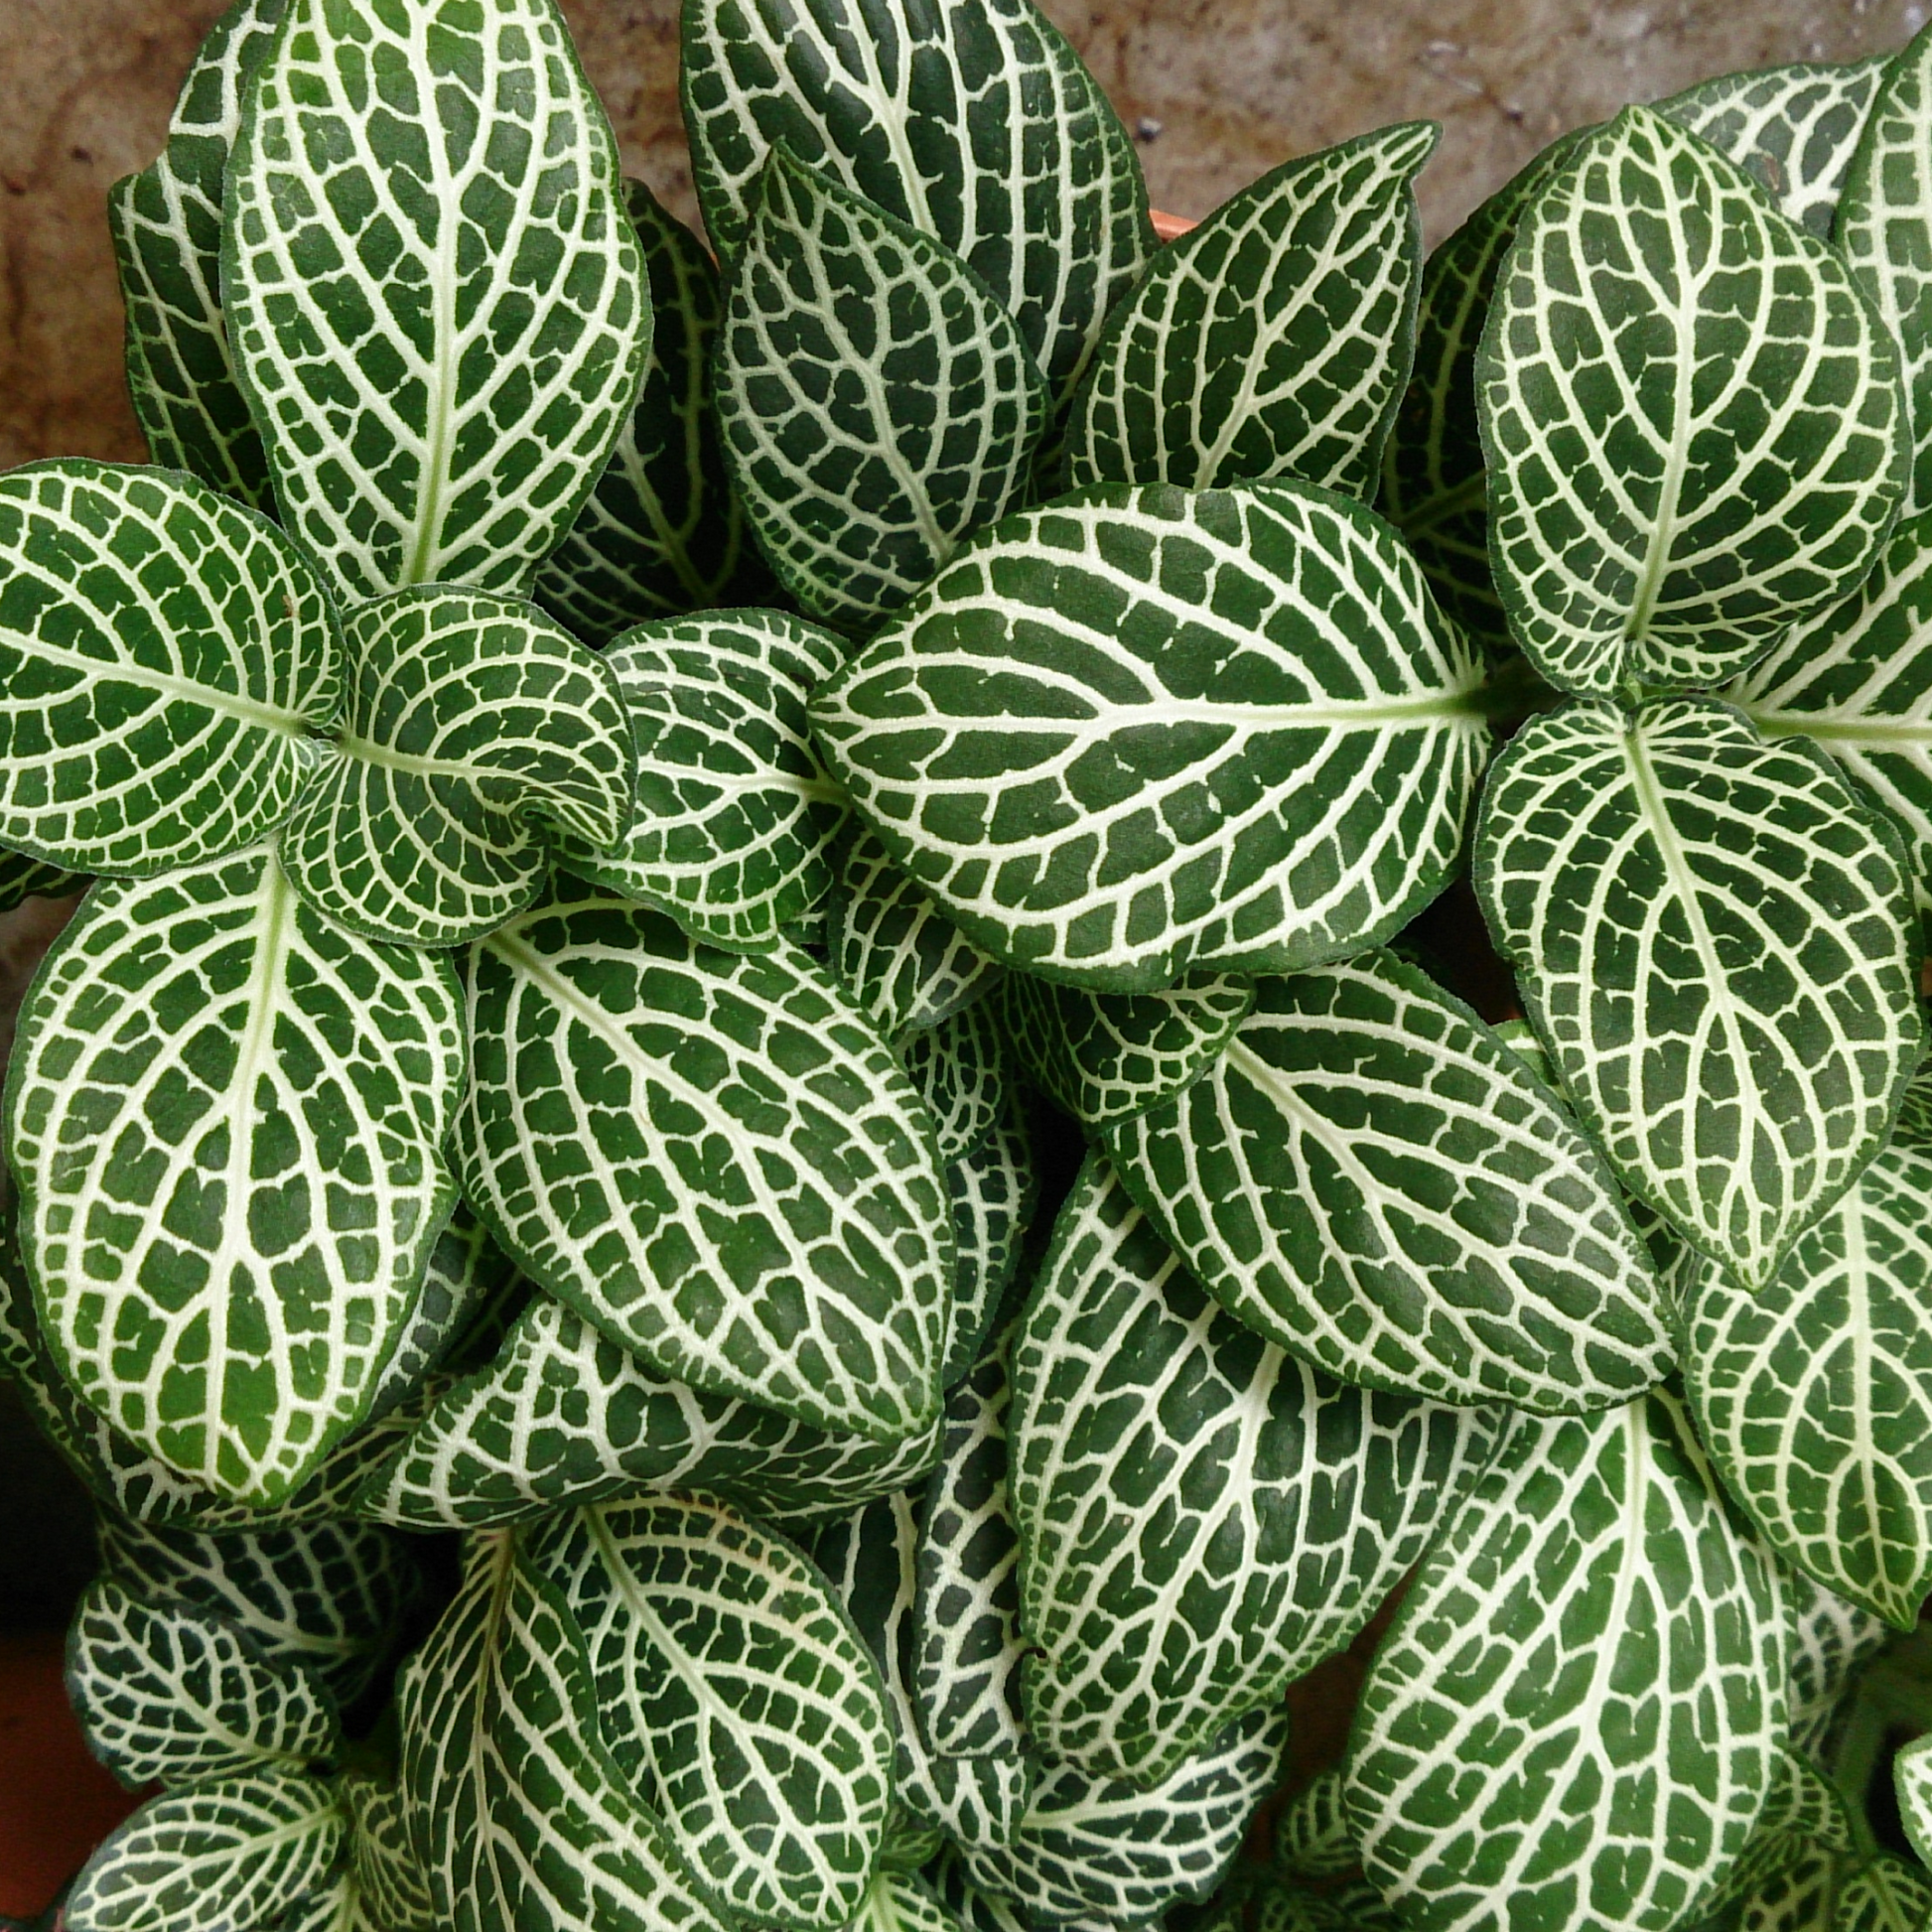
{"x": 249, "y": 711}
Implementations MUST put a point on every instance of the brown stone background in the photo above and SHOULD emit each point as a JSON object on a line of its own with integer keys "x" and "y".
{"x": 1216, "y": 91}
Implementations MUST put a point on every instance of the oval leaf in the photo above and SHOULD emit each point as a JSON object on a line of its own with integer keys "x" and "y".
{"x": 994, "y": 1192}
{"x": 958, "y": 1069}
{"x": 1110, "y": 740}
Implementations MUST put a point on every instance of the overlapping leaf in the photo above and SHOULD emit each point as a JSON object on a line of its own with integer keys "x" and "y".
{"x": 972, "y": 120}
{"x": 1554, "y": 1681}
{"x": 993, "y": 1191}
{"x": 897, "y": 1903}
{"x": 958, "y": 1069}
{"x": 1714, "y": 940}
{"x": 661, "y": 533}
{"x": 473, "y": 728}
{"x": 388, "y": 1869}
{"x": 1369, "y": 1179}
{"x": 22, "y": 878}
{"x": 734, "y": 814}
{"x": 436, "y": 304}
{"x": 753, "y": 1205}
{"x": 1313, "y": 1836}
{"x": 1694, "y": 424}
{"x": 166, "y": 657}
{"x": 1273, "y": 338}
{"x": 225, "y": 1120}
{"x": 1202, "y": 1518}
{"x": 725, "y": 1673}
{"x": 877, "y": 402}
{"x": 1142, "y": 730}
{"x": 1885, "y": 1896}
{"x": 1827, "y": 1642}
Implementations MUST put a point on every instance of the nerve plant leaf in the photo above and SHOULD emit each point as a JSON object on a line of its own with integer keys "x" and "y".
{"x": 238, "y": 1852}
{"x": 973, "y": 121}
{"x": 225, "y": 1119}
{"x": 1885, "y": 1896}
{"x": 661, "y": 533}
{"x": 1110, "y": 740}
{"x": 1313, "y": 1836}
{"x": 877, "y": 402}
{"x": 1369, "y": 1179}
{"x": 1827, "y": 1642}
{"x": 711, "y": 1158}
{"x": 172, "y": 1694}
{"x": 897, "y": 1902}
{"x": 1694, "y": 424}
{"x": 166, "y": 657}
{"x": 727, "y": 1679}
{"x": 167, "y": 227}
{"x": 404, "y": 181}
{"x": 1202, "y": 1518}
{"x": 1272, "y": 339}
{"x": 994, "y": 1190}
{"x": 22, "y": 878}
{"x": 473, "y": 729}
{"x": 386, "y": 1867}
{"x": 1591, "y": 1636}
{"x": 958, "y": 1069}
{"x": 1912, "y": 1782}
{"x": 735, "y": 814}
{"x": 1713, "y": 937}
{"x": 1812, "y": 1394}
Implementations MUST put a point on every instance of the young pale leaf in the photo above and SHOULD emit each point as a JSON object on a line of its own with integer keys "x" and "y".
{"x": 958, "y": 1069}
{"x": 520, "y": 1812}
{"x": 474, "y": 727}
{"x": 1885, "y": 1896}
{"x": 905, "y": 962}
{"x": 746, "y": 1182}
{"x": 389, "y": 1870}
{"x": 1272, "y": 339}
{"x": 1713, "y": 939}
{"x": 897, "y": 1902}
{"x": 1814, "y": 1395}
{"x": 994, "y": 1192}
{"x": 1202, "y": 1518}
{"x": 167, "y": 227}
{"x": 1883, "y": 230}
{"x": 1113, "y": 1851}
{"x": 1590, "y": 1635}
{"x": 661, "y": 533}
{"x": 1145, "y": 729}
{"x": 166, "y": 657}
{"x": 877, "y": 402}
{"x": 225, "y": 1118}
{"x": 734, "y": 815}
{"x": 1313, "y": 1836}
{"x": 437, "y": 306}
{"x": 1792, "y": 130}
{"x": 726, "y": 1674}
{"x": 566, "y": 1416}
{"x": 1369, "y": 1179}
{"x": 1693, "y": 425}
{"x": 169, "y": 1695}
{"x": 1107, "y": 1057}
{"x": 22, "y": 878}
{"x": 1857, "y": 680}
{"x": 238, "y": 1852}
{"x": 972, "y": 120}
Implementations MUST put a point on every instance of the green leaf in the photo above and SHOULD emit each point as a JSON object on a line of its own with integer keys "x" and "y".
{"x": 973, "y": 120}
{"x": 1694, "y": 424}
{"x": 1554, "y": 1681}
{"x": 1854, "y": 680}
{"x": 1792, "y": 130}
{"x": 388, "y": 1872}
{"x": 566, "y": 1416}
{"x": 734, "y": 815}
{"x": 437, "y": 306}
{"x": 958, "y": 1069}
{"x": 753, "y": 1204}
{"x": 167, "y": 227}
{"x": 993, "y": 1192}
{"x": 1202, "y": 1519}
{"x": 1883, "y": 230}
{"x": 1827, "y": 1642}
{"x": 238, "y": 1852}
{"x": 1814, "y": 1395}
{"x": 1114, "y": 1851}
{"x": 876, "y": 400}
{"x": 1911, "y": 1771}
{"x": 896, "y": 1902}
{"x": 1805, "y": 1813}
{"x": 475, "y": 728}
{"x": 172, "y": 1694}
{"x": 522, "y": 1812}
{"x": 1713, "y": 937}
{"x": 1887, "y": 1895}
{"x": 1107, "y": 1057}
{"x": 1141, "y": 729}
{"x": 1369, "y": 1179}
{"x": 1797, "y": 1897}
{"x": 1433, "y": 483}
{"x": 726, "y": 1674}
{"x": 165, "y": 655}
{"x": 225, "y": 1119}
{"x": 905, "y": 962}
{"x": 1313, "y": 1836}
{"x": 661, "y": 533}
{"x": 1272, "y": 339}
{"x": 22, "y": 878}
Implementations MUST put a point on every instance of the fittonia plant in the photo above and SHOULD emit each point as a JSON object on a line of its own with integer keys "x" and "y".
{"x": 755, "y": 941}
